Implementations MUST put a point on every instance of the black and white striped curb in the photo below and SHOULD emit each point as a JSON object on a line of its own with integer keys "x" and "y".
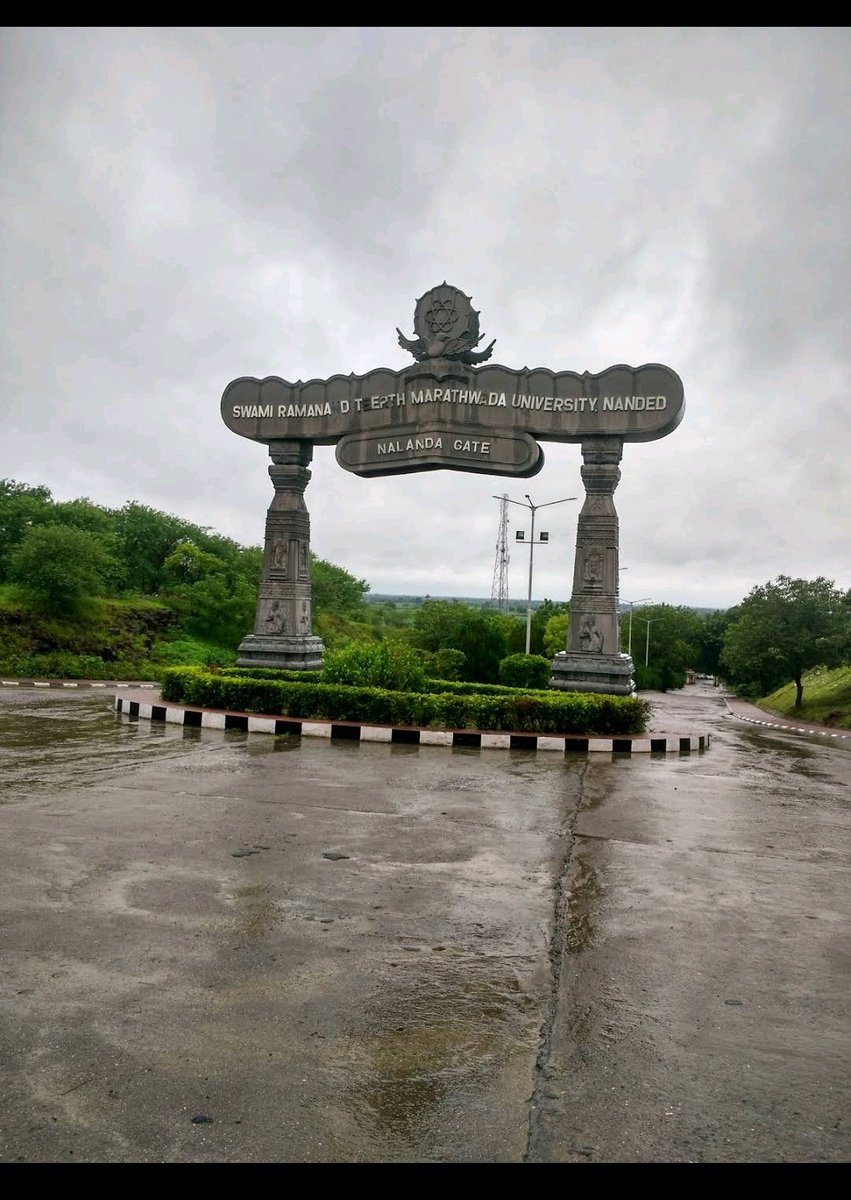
{"x": 177, "y": 714}
{"x": 792, "y": 728}
{"x": 75, "y": 683}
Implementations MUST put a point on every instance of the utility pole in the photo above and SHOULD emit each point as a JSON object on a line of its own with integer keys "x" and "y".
{"x": 544, "y": 540}
{"x": 648, "y": 621}
{"x": 499, "y": 587}
{"x": 631, "y": 603}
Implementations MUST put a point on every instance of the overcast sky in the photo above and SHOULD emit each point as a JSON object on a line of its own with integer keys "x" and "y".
{"x": 184, "y": 206}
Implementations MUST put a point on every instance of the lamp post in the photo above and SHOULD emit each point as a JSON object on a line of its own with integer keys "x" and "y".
{"x": 533, "y": 508}
{"x": 648, "y": 621}
{"x": 643, "y": 600}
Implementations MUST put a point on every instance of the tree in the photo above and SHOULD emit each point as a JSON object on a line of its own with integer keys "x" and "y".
{"x": 541, "y": 617}
{"x": 783, "y": 629}
{"x": 59, "y": 565}
{"x": 710, "y": 639}
{"x": 146, "y": 538}
{"x": 215, "y": 608}
{"x": 673, "y": 645}
{"x": 449, "y": 624}
{"x": 21, "y": 507}
{"x": 335, "y": 590}
{"x": 186, "y": 563}
{"x": 555, "y": 634}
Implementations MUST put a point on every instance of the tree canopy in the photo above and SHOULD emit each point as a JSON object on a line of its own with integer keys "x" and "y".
{"x": 783, "y": 629}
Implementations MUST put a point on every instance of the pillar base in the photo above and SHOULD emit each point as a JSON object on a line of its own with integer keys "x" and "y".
{"x": 287, "y": 653}
{"x": 610, "y": 674}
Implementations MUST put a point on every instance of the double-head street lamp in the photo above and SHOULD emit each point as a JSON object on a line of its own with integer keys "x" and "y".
{"x": 631, "y": 603}
{"x": 544, "y": 539}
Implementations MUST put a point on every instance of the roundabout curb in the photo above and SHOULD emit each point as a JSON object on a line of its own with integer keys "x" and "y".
{"x": 142, "y": 707}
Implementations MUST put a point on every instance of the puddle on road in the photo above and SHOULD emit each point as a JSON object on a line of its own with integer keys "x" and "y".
{"x": 424, "y": 1049}
{"x": 55, "y": 742}
{"x": 256, "y": 910}
{"x": 582, "y": 897}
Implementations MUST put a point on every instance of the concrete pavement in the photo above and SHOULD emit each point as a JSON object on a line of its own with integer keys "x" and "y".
{"x": 224, "y": 947}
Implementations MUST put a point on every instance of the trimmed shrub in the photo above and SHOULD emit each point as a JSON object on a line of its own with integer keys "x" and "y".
{"x": 388, "y": 664}
{"x": 525, "y": 671}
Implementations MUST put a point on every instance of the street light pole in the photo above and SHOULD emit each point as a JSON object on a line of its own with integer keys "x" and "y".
{"x": 529, "y": 593}
{"x": 533, "y": 508}
{"x": 643, "y": 600}
{"x": 648, "y": 621}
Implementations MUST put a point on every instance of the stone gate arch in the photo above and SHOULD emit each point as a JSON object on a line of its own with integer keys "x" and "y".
{"x": 451, "y": 410}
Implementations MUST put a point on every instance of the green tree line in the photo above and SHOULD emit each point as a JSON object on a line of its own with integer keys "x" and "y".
{"x": 60, "y": 557}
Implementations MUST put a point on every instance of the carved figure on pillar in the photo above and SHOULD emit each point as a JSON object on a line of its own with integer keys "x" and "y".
{"x": 590, "y": 637}
{"x": 593, "y": 565}
{"x": 280, "y": 555}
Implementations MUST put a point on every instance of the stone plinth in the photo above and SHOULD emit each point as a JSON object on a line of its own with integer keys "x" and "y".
{"x": 610, "y": 674}
{"x": 289, "y": 653}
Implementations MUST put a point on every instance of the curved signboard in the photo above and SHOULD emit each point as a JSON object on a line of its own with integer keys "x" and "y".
{"x": 484, "y": 404}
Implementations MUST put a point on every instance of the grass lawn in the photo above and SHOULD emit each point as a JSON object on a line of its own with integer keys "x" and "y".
{"x": 827, "y": 698}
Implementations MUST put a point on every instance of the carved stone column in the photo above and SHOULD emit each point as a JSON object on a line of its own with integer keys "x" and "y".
{"x": 592, "y": 661}
{"x": 283, "y": 631}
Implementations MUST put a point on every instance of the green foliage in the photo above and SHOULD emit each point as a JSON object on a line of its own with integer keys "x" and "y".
{"x": 146, "y": 537}
{"x": 783, "y": 629}
{"x": 335, "y": 590}
{"x": 337, "y": 630}
{"x": 555, "y": 634}
{"x": 58, "y": 566}
{"x": 112, "y": 639}
{"x": 215, "y": 609}
{"x": 443, "y": 664}
{"x": 192, "y": 652}
{"x": 391, "y": 665}
{"x": 21, "y": 507}
{"x": 449, "y": 624}
{"x": 63, "y": 664}
{"x": 561, "y": 713}
{"x": 186, "y": 563}
{"x": 513, "y": 628}
{"x": 673, "y": 645}
{"x": 710, "y": 640}
{"x": 541, "y": 617}
{"x": 525, "y": 671}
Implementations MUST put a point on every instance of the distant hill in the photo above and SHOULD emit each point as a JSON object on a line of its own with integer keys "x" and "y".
{"x": 482, "y": 602}
{"x": 475, "y": 601}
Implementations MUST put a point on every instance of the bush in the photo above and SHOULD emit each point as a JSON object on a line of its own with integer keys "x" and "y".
{"x": 525, "y": 671}
{"x": 190, "y": 652}
{"x": 58, "y": 566}
{"x": 391, "y": 665}
{"x": 444, "y": 664}
{"x": 61, "y": 664}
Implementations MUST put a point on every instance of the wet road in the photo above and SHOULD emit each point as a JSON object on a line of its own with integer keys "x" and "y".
{"x": 239, "y": 948}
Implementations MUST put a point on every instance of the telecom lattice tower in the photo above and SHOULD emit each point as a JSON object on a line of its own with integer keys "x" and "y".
{"x": 499, "y": 588}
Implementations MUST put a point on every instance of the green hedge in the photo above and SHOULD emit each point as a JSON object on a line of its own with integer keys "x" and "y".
{"x": 540, "y": 712}
{"x": 431, "y": 686}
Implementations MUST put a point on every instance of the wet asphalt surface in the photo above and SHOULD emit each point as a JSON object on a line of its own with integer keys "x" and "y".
{"x": 229, "y": 947}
